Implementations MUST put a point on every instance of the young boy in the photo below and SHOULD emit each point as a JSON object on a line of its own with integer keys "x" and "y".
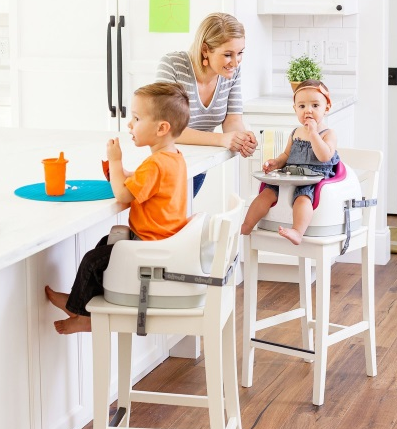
{"x": 156, "y": 190}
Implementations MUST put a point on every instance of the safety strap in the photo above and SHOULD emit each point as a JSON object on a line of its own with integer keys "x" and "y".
{"x": 297, "y": 170}
{"x": 142, "y": 306}
{"x": 176, "y": 277}
{"x": 354, "y": 204}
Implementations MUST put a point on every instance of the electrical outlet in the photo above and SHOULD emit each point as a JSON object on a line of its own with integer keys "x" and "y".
{"x": 336, "y": 52}
{"x": 316, "y": 51}
{"x": 4, "y": 49}
{"x": 298, "y": 48}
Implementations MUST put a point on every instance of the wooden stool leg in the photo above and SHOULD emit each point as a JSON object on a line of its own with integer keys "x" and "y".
{"x": 101, "y": 365}
{"x": 305, "y": 298}
{"x": 230, "y": 371}
{"x": 250, "y": 304}
{"x": 214, "y": 375}
{"x": 323, "y": 282}
{"x": 124, "y": 381}
{"x": 367, "y": 269}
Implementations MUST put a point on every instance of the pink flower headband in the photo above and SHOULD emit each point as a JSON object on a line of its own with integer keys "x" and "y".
{"x": 320, "y": 89}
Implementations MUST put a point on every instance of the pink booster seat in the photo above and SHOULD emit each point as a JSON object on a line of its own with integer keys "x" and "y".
{"x": 331, "y": 197}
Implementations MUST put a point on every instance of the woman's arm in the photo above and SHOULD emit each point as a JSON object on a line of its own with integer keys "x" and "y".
{"x": 238, "y": 139}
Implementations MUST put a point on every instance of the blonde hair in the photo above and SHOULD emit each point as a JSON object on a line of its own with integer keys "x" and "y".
{"x": 169, "y": 102}
{"x": 215, "y": 30}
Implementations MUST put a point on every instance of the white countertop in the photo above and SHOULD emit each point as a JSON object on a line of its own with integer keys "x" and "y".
{"x": 282, "y": 103}
{"x": 27, "y": 226}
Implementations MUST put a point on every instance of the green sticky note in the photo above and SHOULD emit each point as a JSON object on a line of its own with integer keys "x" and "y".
{"x": 169, "y": 16}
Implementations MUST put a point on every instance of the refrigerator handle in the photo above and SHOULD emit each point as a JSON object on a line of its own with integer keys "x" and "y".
{"x": 111, "y": 24}
{"x": 120, "y": 68}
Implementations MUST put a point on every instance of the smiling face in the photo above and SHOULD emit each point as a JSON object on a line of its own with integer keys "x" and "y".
{"x": 143, "y": 127}
{"x": 310, "y": 104}
{"x": 224, "y": 59}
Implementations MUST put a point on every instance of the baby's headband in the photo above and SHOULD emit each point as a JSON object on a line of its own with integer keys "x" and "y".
{"x": 320, "y": 89}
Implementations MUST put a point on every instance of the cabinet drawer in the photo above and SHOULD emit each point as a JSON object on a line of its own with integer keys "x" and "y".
{"x": 305, "y": 7}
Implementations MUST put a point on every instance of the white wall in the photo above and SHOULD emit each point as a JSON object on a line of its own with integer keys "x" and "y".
{"x": 371, "y": 126}
{"x": 322, "y": 29}
{"x": 392, "y": 129}
{"x": 256, "y": 67}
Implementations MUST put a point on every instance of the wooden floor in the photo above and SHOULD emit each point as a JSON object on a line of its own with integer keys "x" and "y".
{"x": 280, "y": 397}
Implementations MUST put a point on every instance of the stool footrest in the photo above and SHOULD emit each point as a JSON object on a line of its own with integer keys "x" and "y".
{"x": 169, "y": 398}
{"x": 120, "y": 413}
{"x": 283, "y": 348}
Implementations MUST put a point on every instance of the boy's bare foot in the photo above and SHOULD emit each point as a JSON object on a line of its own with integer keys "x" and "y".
{"x": 59, "y": 299}
{"x": 73, "y": 324}
{"x": 290, "y": 234}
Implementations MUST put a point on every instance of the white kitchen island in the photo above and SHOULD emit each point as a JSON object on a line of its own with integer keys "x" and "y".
{"x": 46, "y": 378}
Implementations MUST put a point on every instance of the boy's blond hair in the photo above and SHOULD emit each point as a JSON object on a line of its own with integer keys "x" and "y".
{"x": 169, "y": 102}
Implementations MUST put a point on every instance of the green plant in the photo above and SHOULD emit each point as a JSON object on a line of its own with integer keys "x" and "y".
{"x": 303, "y": 68}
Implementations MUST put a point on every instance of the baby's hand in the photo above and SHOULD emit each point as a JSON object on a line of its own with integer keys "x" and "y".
{"x": 114, "y": 150}
{"x": 310, "y": 125}
{"x": 269, "y": 165}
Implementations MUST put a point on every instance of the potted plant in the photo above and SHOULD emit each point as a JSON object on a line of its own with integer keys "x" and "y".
{"x": 301, "y": 69}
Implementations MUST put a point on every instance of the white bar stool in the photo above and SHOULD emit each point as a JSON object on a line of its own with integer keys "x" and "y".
{"x": 213, "y": 317}
{"x": 323, "y": 250}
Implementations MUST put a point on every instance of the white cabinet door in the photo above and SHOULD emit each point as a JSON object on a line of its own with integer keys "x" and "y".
{"x": 142, "y": 49}
{"x": 15, "y": 403}
{"x": 58, "y": 360}
{"x": 305, "y": 7}
{"x": 58, "y": 64}
{"x": 59, "y": 58}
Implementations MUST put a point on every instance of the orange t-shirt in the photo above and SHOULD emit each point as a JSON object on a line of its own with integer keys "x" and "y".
{"x": 159, "y": 186}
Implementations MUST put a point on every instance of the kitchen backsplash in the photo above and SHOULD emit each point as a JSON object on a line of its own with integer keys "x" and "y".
{"x": 332, "y": 40}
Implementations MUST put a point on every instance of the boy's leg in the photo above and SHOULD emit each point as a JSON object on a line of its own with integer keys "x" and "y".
{"x": 89, "y": 279}
{"x": 88, "y": 283}
{"x": 302, "y": 213}
{"x": 59, "y": 299}
{"x": 258, "y": 208}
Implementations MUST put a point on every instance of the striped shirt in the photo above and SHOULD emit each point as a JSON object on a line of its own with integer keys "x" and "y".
{"x": 177, "y": 67}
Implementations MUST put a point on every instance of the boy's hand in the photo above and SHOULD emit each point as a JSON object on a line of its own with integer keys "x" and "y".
{"x": 114, "y": 150}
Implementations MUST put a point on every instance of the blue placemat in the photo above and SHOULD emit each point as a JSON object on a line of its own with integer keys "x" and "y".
{"x": 78, "y": 190}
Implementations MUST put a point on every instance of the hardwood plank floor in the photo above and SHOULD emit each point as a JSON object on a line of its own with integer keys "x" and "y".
{"x": 280, "y": 397}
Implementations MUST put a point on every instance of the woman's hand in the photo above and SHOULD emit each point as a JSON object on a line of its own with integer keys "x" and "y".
{"x": 249, "y": 147}
{"x": 239, "y": 141}
{"x": 113, "y": 150}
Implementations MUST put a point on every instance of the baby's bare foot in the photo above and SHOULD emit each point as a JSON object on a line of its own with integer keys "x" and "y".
{"x": 73, "y": 324}
{"x": 290, "y": 234}
{"x": 246, "y": 229}
{"x": 59, "y": 299}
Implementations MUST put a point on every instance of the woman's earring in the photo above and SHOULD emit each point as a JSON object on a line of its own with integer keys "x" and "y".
{"x": 205, "y": 62}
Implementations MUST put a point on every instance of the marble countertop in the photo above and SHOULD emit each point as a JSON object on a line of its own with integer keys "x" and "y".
{"x": 282, "y": 103}
{"x": 27, "y": 226}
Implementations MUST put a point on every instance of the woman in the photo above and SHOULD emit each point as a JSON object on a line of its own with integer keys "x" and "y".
{"x": 211, "y": 75}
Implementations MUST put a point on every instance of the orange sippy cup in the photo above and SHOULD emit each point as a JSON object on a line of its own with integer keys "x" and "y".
{"x": 55, "y": 175}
